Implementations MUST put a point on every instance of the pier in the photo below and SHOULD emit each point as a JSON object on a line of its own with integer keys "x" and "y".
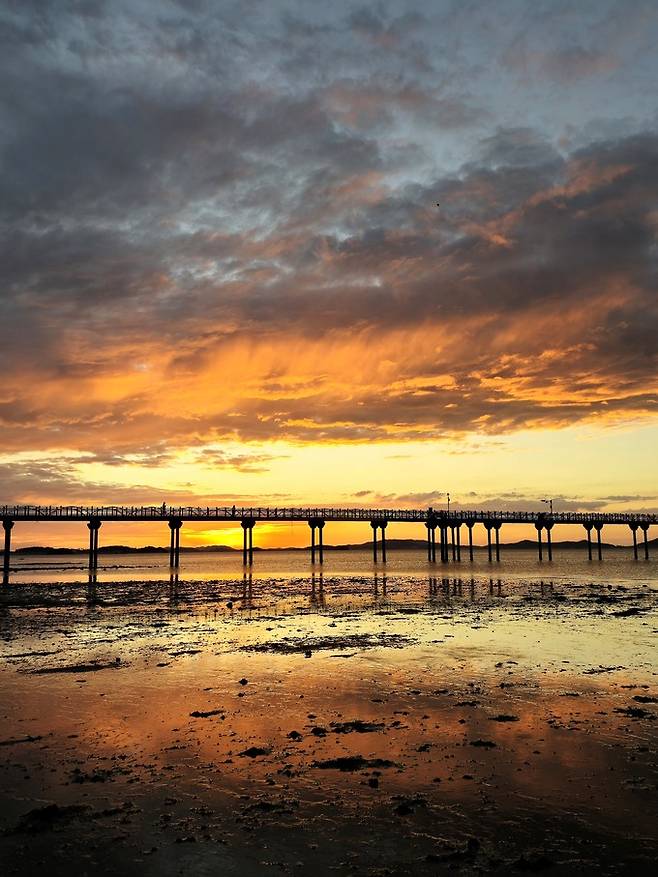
{"x": 447, "y": 525}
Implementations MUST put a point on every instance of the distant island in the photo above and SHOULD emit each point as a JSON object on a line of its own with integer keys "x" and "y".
{"x": 391, "y": 544}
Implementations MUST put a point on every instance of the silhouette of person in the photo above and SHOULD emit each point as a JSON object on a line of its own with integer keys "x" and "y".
{"x": 164, "y": 509}
{"x": 233, "y": 512}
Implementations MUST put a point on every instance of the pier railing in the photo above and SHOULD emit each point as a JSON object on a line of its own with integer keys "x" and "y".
{"x": 268, "y": 513}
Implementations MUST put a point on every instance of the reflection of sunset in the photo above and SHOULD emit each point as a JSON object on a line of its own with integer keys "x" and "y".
{"x": 475, "y": 704}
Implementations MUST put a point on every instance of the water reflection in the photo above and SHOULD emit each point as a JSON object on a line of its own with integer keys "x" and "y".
{"x": 316, "y": 598}
{"x": 189, "y": 782}
{"x": 247, "y": 590}
{"x": 174, "y": 594}
{"x": 498, "y": 588}
{"x": 92, "y": 590}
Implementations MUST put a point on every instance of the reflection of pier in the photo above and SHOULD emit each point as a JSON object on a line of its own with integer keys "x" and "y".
{"x": 447, "y": 526}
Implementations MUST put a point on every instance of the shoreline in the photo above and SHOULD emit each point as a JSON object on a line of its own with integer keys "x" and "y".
{"x": 391, "y": 545}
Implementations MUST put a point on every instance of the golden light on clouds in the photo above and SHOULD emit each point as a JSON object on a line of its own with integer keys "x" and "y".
{"x": 228, "y": 289}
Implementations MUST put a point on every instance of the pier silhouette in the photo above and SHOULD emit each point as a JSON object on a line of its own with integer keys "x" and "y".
{"x": 447, "y": 525}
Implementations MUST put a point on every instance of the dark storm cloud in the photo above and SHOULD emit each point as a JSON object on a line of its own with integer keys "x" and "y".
{"x": 187, "y": 186}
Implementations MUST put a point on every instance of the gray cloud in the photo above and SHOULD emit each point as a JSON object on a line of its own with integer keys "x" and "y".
{"x": 42, "y": 482}
{"x": 508, "y": 501}
{"x": 173, "y": 187}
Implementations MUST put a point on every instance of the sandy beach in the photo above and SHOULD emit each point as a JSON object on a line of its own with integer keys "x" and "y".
{"x": 388, "y": 725}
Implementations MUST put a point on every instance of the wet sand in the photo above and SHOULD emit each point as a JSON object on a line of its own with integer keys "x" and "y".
{"x": 336, "y": 726}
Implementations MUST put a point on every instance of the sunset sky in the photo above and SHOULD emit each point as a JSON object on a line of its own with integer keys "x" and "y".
{"x": 225, "y": 279}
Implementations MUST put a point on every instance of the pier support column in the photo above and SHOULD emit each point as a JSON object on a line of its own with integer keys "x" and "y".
{"x": 634, "y": 532}
{"x": 378, "y": 524}
{"x": 470, "y": 541}
{"x": 549, "y": 544}
{"x": 487, "y": 525}
{"x": 247, "y": 525}
{"x": 444, "y": 544}
{"x": 320, "y": 525}
{"x": 645, "y": 530}
{"x": 453, "y": 543}
{"x": 598, "y": 526}
{"x": 539, "y": 527}
{"x": 94, "y": 526}
{"x": 497, "y": 527}
{"x": 458, "y": 530}
{"x": 174, "y": 543}
{"x": 312, "y": 525}
{"x": 316, "y": 523}
{"x": 430, "y": 537}
{"x": 588, "y": 528}
{"x": 7, "y": 526}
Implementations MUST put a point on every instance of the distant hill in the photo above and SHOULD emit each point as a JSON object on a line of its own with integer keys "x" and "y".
{"x": 391, "y": 544}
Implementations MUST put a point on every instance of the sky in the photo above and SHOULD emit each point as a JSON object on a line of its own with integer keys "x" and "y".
{"x": 225, "y": 277}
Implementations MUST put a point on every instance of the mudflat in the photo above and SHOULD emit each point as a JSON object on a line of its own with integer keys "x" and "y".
{"x": 329, "y": 725}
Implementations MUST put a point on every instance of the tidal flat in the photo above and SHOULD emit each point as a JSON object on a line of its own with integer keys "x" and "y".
{"x": 331, "y": 724}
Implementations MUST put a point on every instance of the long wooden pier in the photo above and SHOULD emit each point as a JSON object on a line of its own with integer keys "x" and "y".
{"x": 448, "y": 525}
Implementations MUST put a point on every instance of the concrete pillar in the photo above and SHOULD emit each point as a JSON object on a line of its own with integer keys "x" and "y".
{"x": 588, "y": 528}
{"x": 433, "y": 543}
{"x": 458, "y": 529}
{"x": 453, "y": 544}
{"x": 373, "y": 524}
{"x": 497, "y": 529}
{"x": 383, "y": 525}
{"x": 429, "y": 541}
{"x": 470, "y": 541}
{"x": 247, "y": 525}
{"x": 94, "y": 526}
{"x": 7, "y": 525}
{"x": 174, "y": 544}
{"x": 444, "y": 544}
{"x": 598, "y": 526}
{"x": 634, "y": 532}
{"x": 312, "y": 525}
{"x": 538, "y": 528}
{"x": 91, "y": 546}
{"x": 488, "y": 527}
{"x": 320, "y": 540}
{"x": 549, "y": 544}
{"x": 645, "y": 530}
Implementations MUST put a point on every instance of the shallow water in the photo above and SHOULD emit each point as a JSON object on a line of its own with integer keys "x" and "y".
{"x": 618, "y": 566}
{"x": 487, "y": 718}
